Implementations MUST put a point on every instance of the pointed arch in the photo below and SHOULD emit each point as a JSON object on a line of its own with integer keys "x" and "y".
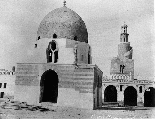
{"x": 75, "y": 38}
{"x": 49, "y": 86}
{"x": 54, "y": 35}
{"x": 52, "y": 52}
{"x": 110, "y": 94}
{"x": 130, "y": 96}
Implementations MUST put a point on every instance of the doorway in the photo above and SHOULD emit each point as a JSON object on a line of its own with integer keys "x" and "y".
{"x": 149, "y": 97}
{"x": 49, "y": 87}
{"x": 130, "y": 96}
{"x": 110, "y": 94}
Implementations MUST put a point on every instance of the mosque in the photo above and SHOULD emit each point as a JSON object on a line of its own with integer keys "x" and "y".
{"x": 121, "y": 88}
{"x": 60, "y": 69}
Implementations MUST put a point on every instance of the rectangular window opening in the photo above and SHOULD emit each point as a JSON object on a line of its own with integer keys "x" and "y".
{"x": 81, "y": 57}
{"x": 140, "y": 89}
{"x": 0, "y": 85}
{"x": 1, "y": 94}
{"x": 121, "y": 86}
{"x": 4, "y": 85}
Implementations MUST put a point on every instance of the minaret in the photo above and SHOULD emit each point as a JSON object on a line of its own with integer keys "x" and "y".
{"x": 124, "y": 48}
{"x": 123, "y": 64}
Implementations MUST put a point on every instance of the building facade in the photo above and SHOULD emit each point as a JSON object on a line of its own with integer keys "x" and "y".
{"x": 121, "y": 89}
{"x": 60, "y": 69}
{"x": 7, "y": 79}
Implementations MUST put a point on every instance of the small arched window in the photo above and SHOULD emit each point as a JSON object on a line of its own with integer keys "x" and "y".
{"x": 124, "y": 29}
{"x": 81, "y": 57}
{"x": 54, "y": 35}
{"x": 89, "y": 56}
{"x": 35, "y": 46}
{"x": 38, "y": 37}
{"x": 75, "y": 38}
{"x": 122, "y": 69}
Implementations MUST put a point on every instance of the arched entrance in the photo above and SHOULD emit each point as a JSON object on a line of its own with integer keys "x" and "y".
{"x": 149, "y": 97}
{"x": 49, "y": 87}
{"x": 130, "y": 96}
{"x": 110, "y": 94}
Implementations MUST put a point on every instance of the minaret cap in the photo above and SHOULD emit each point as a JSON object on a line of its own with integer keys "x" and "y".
{"x": 124, "y": 26}
{"x": 124, "y": 34}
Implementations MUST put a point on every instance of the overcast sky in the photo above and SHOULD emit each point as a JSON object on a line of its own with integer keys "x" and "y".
{"x": 19, "y": 21}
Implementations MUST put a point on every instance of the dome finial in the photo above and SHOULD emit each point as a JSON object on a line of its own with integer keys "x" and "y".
{"x": 64, "y": 2}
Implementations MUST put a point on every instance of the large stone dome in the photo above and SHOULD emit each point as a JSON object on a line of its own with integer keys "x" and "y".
{"x": 65, "y": 23}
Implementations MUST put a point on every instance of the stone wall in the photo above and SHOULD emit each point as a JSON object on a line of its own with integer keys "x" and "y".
{"x": 128, "y": 67}
{"x": 121, "y": 85}
{"x": 97, "y": 88}
{"x": 123, "y": 48}
{"x": 75, "y": 87}
{"x": 82, "y": 53}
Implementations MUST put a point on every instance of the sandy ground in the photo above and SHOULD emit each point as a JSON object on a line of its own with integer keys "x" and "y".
{"x": 56, "y": 112}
